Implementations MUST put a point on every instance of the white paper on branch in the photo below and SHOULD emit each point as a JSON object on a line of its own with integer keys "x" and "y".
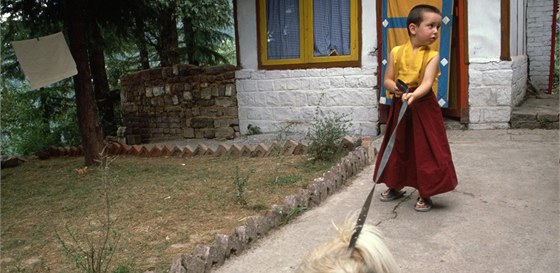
{"x": 45, "y": 60}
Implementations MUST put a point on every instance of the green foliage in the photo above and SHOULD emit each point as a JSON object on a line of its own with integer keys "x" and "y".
{"x": 284, "y": 179}
{"x": 35, "y": 120}
{"x": 240, "y": 184}
{"x": 130, "y": 31}
{"x": 284, "y": 131}
{"x": 207, "y": 31}
{"x": 253, "y": 130}
{"x": 326, "y": 134}
{"x": 293, "y": 213}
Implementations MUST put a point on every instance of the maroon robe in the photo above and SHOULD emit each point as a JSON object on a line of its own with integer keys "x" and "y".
{"x": 421, "y": 157}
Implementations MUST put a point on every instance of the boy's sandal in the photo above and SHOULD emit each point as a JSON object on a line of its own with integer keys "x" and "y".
{"x": 391, "y": 194}
{"x": 423, "y": 204}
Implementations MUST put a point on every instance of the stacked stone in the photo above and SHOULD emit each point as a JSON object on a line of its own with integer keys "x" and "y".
{"x": 180, "y": 101}
{"x": 494, "y": 87}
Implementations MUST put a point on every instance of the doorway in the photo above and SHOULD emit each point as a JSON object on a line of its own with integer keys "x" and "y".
{"x": 452, "y": 93}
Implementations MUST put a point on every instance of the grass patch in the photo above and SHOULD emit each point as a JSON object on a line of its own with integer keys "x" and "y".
{"x": 161, "y": 207}
{"x": 284, "y": 180}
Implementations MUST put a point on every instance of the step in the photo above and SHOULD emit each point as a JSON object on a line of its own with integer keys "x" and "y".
{"x": 536, "y": 112}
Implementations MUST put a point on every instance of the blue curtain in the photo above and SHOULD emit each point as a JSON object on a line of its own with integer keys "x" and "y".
{"x": 282, "y": 17}
{"x": 331, "y": 25}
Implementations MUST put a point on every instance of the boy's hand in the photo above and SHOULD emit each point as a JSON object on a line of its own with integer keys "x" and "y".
{"x": 409, "y": 98}
{"x": 397, "y": 93}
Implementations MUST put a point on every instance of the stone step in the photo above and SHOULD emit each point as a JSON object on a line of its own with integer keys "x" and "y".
{"x": 536, "y": 112}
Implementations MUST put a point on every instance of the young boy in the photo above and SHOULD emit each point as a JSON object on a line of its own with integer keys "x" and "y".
{"x": 421, "y": 157}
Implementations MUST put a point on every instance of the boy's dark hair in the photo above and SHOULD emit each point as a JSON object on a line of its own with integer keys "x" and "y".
{"x": 416, "y": 14}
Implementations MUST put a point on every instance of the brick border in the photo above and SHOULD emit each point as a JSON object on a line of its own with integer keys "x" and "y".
{"x": 207, "y": 257}
{"x": 289, "y": 147}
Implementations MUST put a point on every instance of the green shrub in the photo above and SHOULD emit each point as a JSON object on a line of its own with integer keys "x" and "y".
{"x": 326, "y": 134}
{"x": 253, "y": 130}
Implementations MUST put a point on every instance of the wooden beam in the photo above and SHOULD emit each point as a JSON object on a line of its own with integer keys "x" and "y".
{"x": 505, "y": 27}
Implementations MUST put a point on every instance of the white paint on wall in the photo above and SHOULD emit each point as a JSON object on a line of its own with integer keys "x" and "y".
{"x": 369, "y": 34}
{"x": 539, "y": 44}
{"x": 484, "y": 30}
{"x": 247, "y": 31}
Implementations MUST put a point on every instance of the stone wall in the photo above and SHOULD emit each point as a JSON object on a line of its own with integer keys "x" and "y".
{"x": 275, "y": 99}
{"x": 539, "y": 27}
{"x": 182, "y": 101}
{"x": 494, "y": 88}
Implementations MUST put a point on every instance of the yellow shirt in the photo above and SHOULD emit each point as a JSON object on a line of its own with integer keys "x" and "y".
{"x": 408, "y": 66}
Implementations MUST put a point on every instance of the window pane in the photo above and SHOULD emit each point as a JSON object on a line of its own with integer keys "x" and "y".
{"x": 282, "y": 18}
{"x": 331, "y": 27}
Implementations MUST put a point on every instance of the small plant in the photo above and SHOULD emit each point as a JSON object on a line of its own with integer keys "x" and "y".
{"x": 326, "y": 134}
{"x": 293, "y": 213}
{"x": 240, "y": 183}
{"x": 282, "y": 136}
{"x": 253, "y": 130}
{"x": 92, "y": 253}
{"x": 284, "y": 180}
{"x": 544, "y": 122}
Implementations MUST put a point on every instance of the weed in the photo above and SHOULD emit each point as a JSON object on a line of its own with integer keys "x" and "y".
{"x": 544, "y": 122}
{"x": 284, "y": 180}
{"x": 282, "y": 137}
{"x": 241, "y": 186}
{"x": 253, "y": 130}
{"x": 326, "y": 134}
{"x": 293, "y": 213}
{"x": 93, "y": 253}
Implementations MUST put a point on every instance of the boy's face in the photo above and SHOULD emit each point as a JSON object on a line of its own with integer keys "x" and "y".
{"x": 428, "y": 30}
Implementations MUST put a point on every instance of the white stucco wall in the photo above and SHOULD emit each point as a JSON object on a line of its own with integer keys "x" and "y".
{"x": 273, "y": 99}
{"x": 539, "y": 27}
{"x": 495, "y": 86}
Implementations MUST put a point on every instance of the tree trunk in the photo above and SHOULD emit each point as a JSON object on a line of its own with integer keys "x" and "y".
{"x": 144, "y": 58}
{"x": 141, "y": 42}
{"x": 169, "y": 39}
{"x": 100, "y": 82}
{"x": 189, "y": 40}
{"x": 91, "y": 133}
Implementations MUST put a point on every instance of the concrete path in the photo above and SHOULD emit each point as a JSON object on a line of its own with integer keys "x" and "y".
{"x": 503, "y": 216}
